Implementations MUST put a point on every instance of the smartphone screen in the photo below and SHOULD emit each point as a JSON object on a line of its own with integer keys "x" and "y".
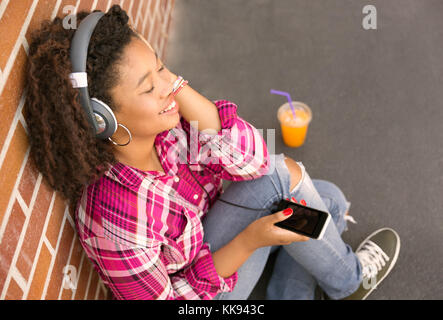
{"x": 304, "y": 220}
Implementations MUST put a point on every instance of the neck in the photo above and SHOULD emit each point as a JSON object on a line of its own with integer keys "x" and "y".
{"x": 139, "y": 153}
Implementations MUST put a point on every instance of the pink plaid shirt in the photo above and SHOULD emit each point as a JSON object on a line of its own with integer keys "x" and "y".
{"x": 142, "y": 229}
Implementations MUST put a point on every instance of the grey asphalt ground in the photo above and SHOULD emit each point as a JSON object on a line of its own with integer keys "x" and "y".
{"x": 376, "y": 97}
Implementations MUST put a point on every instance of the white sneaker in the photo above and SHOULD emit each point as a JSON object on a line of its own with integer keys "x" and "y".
{"x": 378, "y": 254}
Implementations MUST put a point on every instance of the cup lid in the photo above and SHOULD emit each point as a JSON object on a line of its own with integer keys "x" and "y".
{"x": 303, "y": 110}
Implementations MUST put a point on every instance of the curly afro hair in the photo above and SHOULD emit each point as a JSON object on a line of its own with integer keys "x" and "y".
{"x": 63, "y": 147}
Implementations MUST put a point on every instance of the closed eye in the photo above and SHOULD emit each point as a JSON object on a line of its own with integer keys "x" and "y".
{"x": 161, "y": 69}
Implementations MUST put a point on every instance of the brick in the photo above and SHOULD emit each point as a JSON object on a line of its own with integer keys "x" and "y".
{"x": 142, "y": 9}
{"x": 157, "y": 45}
{"x": 66, "y": 294}
{"x": 168, "y": 25}
{"x": 16, "y": 13}
{"x": 114, "y": 2}
{"x": 107, "y": 293}
{"x": 40, "y": 274}
{"x": 101, "y": 5}
{"x": 74, "y": 261}
{"x": 61, "y": 259}
{"x": 86, "y": 5}
{"x": 43, "y": 11}
{"x": 77, "y": 253}
{"x": 153, "y": 40}
{"x": 34, "y": 230}
{"x": 14, "y": 291}
{"x": 152, "y": 7}
{"x": 136, "y": 8}
{"x": 10, "y": 26}
{"x": 158, "y": 25}
{"x": 12, "y": 93}
{"x": 101, "y": 294}
{"x": 162, "y": 7}
{"x": 10, "y": 240}
{"x": 162, "y": 46}
{"x": 145, "y": 31}
{"x": 83, "y": 278}
{"x": 71, "y": 210}
{"x": 62, "y": 5}
{"x": 56, "y": 219}
{"x": 28, "y": 181}
{"x": 165, "y": 52}
{"x": 125, "y": 6}
{"x": 165, "y": 21}
{"x": 11, "y": 166}
{"x": 93, "y": 286}
{"x": 156, "y": 33}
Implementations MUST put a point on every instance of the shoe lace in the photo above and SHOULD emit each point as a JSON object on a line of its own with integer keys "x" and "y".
{"x": 350, "y": 219}
{"x": 372, "y": 259}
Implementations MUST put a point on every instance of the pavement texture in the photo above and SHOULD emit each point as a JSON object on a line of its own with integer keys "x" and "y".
{"x": 376, "y": 97}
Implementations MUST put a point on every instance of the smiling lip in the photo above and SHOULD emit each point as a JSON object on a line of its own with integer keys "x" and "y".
{"x": 172, "y": 110}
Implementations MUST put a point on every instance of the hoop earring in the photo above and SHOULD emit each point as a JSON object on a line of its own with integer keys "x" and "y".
{"x": 130, "y": 137}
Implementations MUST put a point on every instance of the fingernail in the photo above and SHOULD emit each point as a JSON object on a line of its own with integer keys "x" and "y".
{"x": 303, "y": 202}
{"x": 287, "y": 211}
{"x": 293, "y": 199}
{"x": 287, "y": 199}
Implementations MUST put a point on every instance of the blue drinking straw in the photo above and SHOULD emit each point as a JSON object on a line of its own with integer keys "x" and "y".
{"x": 288, "y": 96}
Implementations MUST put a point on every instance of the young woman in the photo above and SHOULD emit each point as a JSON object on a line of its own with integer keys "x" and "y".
{"x": 141, "y": 214}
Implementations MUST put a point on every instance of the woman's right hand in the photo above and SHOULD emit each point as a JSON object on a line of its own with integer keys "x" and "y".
{"x": 262, "y": 232}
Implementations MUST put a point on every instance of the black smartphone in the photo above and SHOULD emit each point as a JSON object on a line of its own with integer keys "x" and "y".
{"x": 304, "y": 220}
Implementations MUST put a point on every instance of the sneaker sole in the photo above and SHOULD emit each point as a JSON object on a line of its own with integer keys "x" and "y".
{"x": 394, "y": 259}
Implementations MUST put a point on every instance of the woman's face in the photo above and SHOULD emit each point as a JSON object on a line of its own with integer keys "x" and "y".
{"x": 144, "y": 90}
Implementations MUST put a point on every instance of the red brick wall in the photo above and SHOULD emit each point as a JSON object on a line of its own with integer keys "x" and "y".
{"x": 37, "y": 237}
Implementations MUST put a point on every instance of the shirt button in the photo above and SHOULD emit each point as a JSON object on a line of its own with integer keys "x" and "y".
{"x": 176, "y": 179}
{"x": 195, "y": 196}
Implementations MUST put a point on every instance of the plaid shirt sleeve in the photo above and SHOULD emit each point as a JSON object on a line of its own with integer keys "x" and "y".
{"x": 139, "y": 273}
{"x": 237, "y": 152}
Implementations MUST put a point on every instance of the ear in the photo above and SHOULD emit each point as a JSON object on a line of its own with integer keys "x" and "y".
{"x": 105, "y": 118}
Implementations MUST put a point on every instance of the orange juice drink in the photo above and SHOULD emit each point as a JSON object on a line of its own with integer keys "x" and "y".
{"x": 294, "y": 129}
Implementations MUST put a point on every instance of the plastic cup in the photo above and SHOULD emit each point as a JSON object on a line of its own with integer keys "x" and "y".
{"x": 294, "y": 130}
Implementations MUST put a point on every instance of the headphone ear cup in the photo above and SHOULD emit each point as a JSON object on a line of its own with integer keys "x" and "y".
{"x": 105, "y": 118}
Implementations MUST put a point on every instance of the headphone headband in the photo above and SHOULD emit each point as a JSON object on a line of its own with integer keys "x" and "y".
{"x": 80, "y": 42}
{"x": 100, "y": 116}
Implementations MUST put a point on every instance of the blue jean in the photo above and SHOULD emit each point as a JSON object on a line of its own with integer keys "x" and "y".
{"x": 299, "y": 266}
